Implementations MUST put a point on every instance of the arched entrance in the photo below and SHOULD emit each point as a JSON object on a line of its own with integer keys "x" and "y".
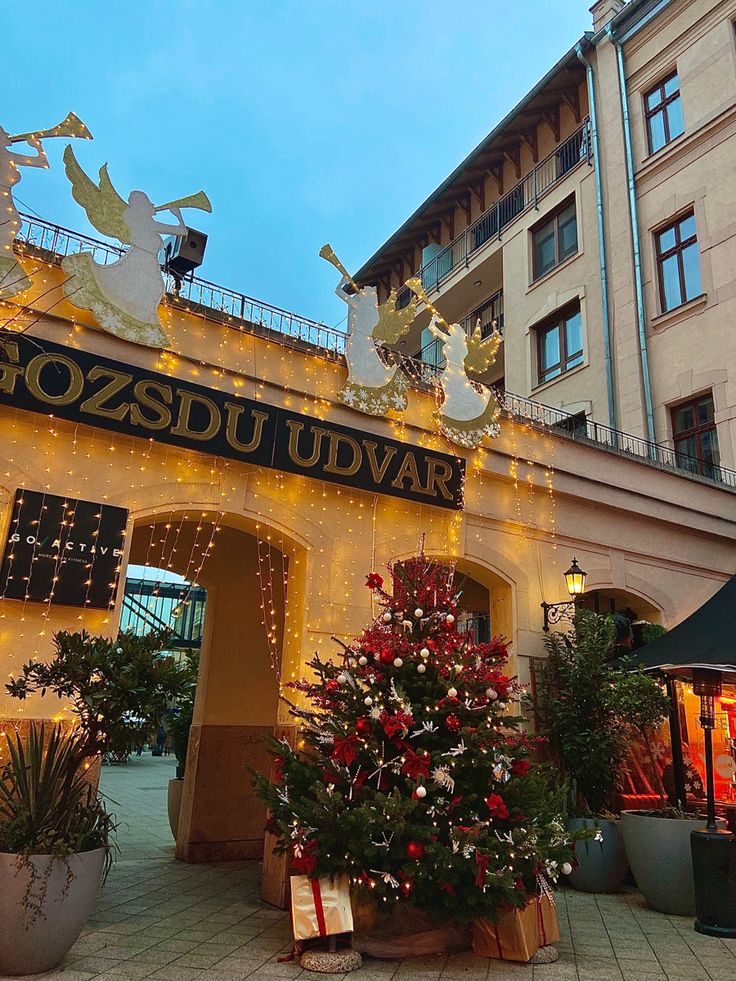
{"x": 247, "y": 581}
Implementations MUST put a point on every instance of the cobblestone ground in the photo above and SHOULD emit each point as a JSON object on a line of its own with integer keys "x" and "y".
{"x": 161, "y": 919}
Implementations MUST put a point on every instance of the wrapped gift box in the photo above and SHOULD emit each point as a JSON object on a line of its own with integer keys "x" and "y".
{"x": 320, "y": 907}
{"x": 519, "y": 933}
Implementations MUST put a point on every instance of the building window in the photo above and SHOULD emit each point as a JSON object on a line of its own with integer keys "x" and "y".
{"x": 695, "y": 436}
{"x": 678, "y": 263}
{"x": 663, "y": 111}
{"x": 559, "y": 344}
{"x": 555, "y": 240}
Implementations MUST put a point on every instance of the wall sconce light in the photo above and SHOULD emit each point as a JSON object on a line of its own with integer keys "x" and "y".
{"x": 555, "y": 612}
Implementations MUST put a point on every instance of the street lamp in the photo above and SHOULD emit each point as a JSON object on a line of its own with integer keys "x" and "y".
{"x": 555, "y": 612}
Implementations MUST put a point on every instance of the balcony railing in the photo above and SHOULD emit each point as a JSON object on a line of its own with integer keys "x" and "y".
{"x": 240, "y": 312}
{"x": 575, "y": 150}
{"x": 488, "y": 313}
{"x": 235, "y": 309}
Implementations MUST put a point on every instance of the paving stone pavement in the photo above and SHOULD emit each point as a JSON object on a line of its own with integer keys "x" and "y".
{"x": 164, "y": 920}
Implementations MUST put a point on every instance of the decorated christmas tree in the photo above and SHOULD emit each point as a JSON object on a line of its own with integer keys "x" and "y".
{"x": 412, "y": 775}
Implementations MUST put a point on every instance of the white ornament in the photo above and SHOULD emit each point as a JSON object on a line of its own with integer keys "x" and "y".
{"x": 450, "y": 618}
{"x": 421, "y": 668}
{"x": 421, "y": 792}
{"x": 342, "y": 679}
{"x": 566, "y": 868}
{"x": 367, "y": 700}
{"x": 407, "y": 624}
{"x": 424, "y": 652}
{"x": 123, "y": 295}
{"x": 457, "y": 668}
{"x": 398, "y": 663}
{"x": 502, "y": 705}
{"x": 372, "y": 386}
{"x": 362, "y": 660}
{"x": 388, "y": 617}
{"x": 418, "y": 613}
{"x": 492, "y": 694}
{"x": 452, "y": 692}
{"x": 469, "y": 410}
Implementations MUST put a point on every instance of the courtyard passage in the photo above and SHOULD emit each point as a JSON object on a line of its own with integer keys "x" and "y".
{"x": 162, "y": 919}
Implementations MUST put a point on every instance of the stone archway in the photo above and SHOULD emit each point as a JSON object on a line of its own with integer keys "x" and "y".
{"x": 250, "y": 596}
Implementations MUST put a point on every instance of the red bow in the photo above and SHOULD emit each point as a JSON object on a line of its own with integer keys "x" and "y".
{"x": 345, "y": 750}
{"x": 304, "y": 858}
{"x": 416, "y": 764}
{"x": 481, "y": 862}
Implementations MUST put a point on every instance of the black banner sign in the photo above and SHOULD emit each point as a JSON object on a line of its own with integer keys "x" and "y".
{"x": 81, "y": 387}
{"x": 62, "y": 550}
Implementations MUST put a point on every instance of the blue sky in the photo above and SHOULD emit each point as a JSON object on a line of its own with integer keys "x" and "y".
{"x": 305, "y": 121}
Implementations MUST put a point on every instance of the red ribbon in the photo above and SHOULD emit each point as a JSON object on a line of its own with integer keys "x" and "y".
{"x": 540, "y": 917}
{"x": 319, "y": 908}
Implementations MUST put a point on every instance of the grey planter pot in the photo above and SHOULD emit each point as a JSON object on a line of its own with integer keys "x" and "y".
{"x": 602, "y": 865}
{"x": 174, "y": 804}
{"x": 661, "y": 861}
{"x": 31, "y": 946}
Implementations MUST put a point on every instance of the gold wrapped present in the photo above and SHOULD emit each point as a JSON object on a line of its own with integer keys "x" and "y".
{"x": 320, "y": 907}
{"x": 549, "y": 928}
{"x": 515, "y": 937}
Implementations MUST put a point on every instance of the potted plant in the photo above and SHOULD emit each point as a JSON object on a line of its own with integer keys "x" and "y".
{"x": 118, "y": 688}
{"x": 55, "y": 848}
{"x": 657, "y": 840}
{"x": 585, "y": 723}
{"x": 177, "y": 722}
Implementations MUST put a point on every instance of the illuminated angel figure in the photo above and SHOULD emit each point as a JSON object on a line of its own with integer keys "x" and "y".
{"x": 13, "y": 279}
{"x": 124, "y": 295}
{"x": 469, "y": 411}
{"x": 373, "y": 385}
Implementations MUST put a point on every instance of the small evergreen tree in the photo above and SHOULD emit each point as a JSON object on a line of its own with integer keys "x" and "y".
{"x": 412, "y": 778}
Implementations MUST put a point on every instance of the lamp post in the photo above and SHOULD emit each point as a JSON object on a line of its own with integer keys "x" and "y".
{"x": 555, "y": 612}
{"x": 713, "y": 849}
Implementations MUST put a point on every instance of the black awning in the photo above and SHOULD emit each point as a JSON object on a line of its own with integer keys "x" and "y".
{"x": 706, "y": 639}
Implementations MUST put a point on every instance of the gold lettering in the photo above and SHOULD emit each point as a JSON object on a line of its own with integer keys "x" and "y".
{"x": 142, "y": 391}
{"x": 96, "y": 402}
{"x": 332, "y": 465}
{"x": 379, "y": 472}
{"x": 186, "y": 400}
{"x": 438, "y": 473}
{"x": 9, "y": 373}
{"x": 33, "y": 379}
{"x": 294, "y": 429}
{"x": 408, "y": 469}
{"x": 234, "y": 412}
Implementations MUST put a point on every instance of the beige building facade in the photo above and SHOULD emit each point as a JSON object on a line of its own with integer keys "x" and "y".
{"x": 596, "y": 225}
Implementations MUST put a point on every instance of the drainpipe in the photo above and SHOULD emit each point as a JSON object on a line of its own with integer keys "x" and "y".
{"x": 638, "y": 281}
{"x": 601, "y": 239}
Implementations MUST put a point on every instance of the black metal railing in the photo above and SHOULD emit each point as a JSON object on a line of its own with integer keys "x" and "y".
{"x": 179, "y": 607}
{"x": 576, "y": 149}
{"x": 489, "y": 313}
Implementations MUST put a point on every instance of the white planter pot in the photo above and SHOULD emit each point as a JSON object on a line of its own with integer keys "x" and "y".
{"x": 30, "y": 946}
{"x": 174, "y": 804}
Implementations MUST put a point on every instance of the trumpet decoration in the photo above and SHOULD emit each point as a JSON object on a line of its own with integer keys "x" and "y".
{"x": 13, "y": 278}
{"x": 375, "y": 384}
{"x": 469, "y": 410}
{"x": 124, "y": 295}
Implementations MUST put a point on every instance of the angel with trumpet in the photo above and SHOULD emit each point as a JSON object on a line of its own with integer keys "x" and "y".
{"x": 124, "y": 295}
{"x": 469, "y": 410}
{"x": 13, "y": 279}
{"x": 373, "y": 385}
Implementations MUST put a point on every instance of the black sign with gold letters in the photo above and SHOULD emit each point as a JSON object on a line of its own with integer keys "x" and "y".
{"x": 62, "y": 550}
{"x": 81, "y": 387}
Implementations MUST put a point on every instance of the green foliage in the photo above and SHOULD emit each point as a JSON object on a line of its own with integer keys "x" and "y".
{"x": 652, "y": 632}
{"x": 412, "y": 774}
{"x": 591, "y": 713}
{"x": 178, "y": 720}
{"x": 118, "y": 689}
{"x": 47, "y": 807}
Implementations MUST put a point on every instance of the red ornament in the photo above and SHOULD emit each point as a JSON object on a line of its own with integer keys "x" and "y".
{"x": 406, "y": 886}
{"x": 374, "y": 581}
{"x": 453, "y": 723}
{"x": 364, "y": 727}
{"x": 386, "y": 656}
{"x": 496, "y": 806}
{"x": 520, "y": 768}
{"x": 415, "y": 850}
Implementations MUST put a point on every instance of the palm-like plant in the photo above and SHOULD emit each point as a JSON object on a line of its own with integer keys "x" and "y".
{"x": 47, "y": 806}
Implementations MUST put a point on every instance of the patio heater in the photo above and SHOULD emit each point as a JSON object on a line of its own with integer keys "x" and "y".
{"x": 713, "y": 849}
